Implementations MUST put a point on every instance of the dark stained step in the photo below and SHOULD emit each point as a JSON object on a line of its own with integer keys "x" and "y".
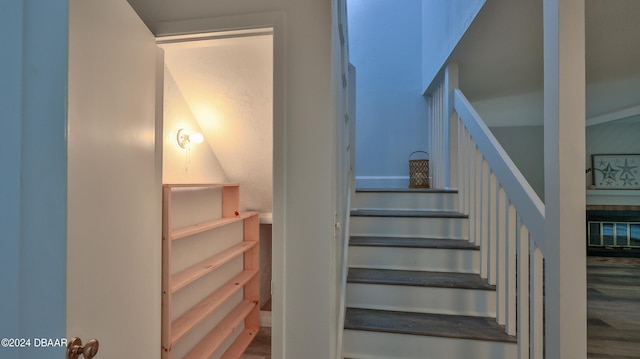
{"x": 436, "y": 243}
{"x": 437, "y": 325}
{"x": 405, "y": 213}
{"x": 405, "y": 190}
{"x": 418, "y": 278}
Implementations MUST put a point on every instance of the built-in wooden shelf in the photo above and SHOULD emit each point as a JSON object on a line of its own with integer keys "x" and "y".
{"x": 202, "y": 310}
{"x": 246, "y": 313}
{"x": 217, "y": 336}
{"x": 199, "y": 270}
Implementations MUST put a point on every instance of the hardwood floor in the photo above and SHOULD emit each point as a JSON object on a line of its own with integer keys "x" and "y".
{"x": 613, "y": 308}
{"x": 260, "y": 348}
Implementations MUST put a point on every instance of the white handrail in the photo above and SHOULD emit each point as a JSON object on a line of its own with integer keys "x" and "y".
{"x": 529, "y": 206}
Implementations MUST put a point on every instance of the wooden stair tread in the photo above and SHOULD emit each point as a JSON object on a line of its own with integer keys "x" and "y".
{"x": 405, "y": 190}
{"x": 189, "y": 275}
{"x": 438, "y": 325}
{"x": 212, "y": 341}
{"x": 405, "y": 213}
{"x": 418, "y": 278}
{"x": 181, "y": 326}
{"x": 436, "y": 243}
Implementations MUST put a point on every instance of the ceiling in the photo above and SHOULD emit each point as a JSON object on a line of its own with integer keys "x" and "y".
{"x": 502, "y": 52}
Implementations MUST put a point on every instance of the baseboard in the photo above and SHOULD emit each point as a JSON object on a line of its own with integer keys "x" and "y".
{"x": 265, "y": 319}
{"x": 382, "y": 181}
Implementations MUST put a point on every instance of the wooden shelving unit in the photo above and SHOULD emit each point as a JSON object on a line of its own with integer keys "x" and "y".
{"x": 246, "y": 313}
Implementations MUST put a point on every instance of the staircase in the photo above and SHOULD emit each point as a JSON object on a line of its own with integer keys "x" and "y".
{"x": 413, "y": 286}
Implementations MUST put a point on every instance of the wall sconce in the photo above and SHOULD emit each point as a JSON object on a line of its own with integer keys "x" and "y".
{"x": 185, "y": 138}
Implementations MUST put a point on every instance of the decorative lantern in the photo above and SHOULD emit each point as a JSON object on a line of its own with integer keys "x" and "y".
{"x": 419, "y": 171}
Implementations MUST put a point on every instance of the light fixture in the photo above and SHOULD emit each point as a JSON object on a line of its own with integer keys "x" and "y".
{"x": 185, "y": 138}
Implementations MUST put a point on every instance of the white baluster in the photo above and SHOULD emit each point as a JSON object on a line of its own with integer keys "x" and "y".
{"x": 502, "y": 256}
{"x": 523, "y": 290}
{"x": 537, "y": 307}
{"x": 511, "y": 268}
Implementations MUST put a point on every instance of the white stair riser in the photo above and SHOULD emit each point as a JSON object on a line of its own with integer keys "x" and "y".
{"x": 376, "y": 345}
{"x": 418, "y": 227}
{"x": 425, "y": 259}
{"x": 454, "y": 301}
{"x": 400, "y": 200}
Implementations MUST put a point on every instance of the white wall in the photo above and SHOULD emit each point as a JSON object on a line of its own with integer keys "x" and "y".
{"x": 385, "y": 48}
{"x": 195, "y": 165}
{"x": 611, "y": 138}
{"x": 443, "y": 24}
{"x": 11, "y": 22}
{"x": 525, "y": 146}
{"x": 516, "y": 110}
{"x": 33, "y": 181}
{"x": 516, "y": 121}
{"x": 526, "y": 109}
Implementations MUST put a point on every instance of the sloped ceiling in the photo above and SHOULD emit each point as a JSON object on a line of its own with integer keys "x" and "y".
{"x": 228, "y": 84}
{"x": 502, "y": 53}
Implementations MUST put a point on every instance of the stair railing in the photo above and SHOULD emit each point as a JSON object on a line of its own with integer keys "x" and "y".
{"x": 506, "y": 217}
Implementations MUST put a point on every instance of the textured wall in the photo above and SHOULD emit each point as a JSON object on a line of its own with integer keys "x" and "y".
{"x": 227, "y": 87}
{"x": 195, "y": 165}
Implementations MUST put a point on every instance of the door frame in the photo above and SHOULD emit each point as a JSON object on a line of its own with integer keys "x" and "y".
{"x": 275, "y": 21}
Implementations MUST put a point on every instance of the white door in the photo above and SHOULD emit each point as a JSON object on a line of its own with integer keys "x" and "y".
{"x": 114, "y": 181}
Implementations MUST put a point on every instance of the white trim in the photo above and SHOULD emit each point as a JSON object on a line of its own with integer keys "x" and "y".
{"x": 266, "y": 218}
{"x": 188, "y": 40}
{"x": 613, "y": 116}
{"x": 265, "y": 318}
{"x": 276, "y": 21}
{"x": 613, "y": 192}
{"x": 382, "y": 181}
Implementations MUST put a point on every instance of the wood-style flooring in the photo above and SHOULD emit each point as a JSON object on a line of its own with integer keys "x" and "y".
{"x": 613, "y": 308}
{"x": 260, "y": 348}
{"x": 613, "y": 312}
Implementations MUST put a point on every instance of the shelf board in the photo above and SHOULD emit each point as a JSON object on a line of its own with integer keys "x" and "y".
{"x": 240, "y": 344}
{"x": 200, "y": 185}
{"x": 217, "y": 336}
{"x": 181, "y": 326}
{"x": 202, "y": 227}
{"x": 245, "y": 215}
{"x": 189, "y": 275}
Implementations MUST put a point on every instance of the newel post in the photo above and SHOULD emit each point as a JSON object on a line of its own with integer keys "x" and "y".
{"x": 564, "y": 160}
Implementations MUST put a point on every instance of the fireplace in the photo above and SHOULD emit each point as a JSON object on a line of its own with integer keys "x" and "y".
{"x": 613, "y": 231}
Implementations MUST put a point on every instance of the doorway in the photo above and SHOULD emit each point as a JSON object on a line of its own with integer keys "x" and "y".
{"x": 221, "y": 85}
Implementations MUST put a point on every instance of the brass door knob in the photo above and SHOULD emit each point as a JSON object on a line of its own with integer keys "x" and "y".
{"x": 88, "y": 351}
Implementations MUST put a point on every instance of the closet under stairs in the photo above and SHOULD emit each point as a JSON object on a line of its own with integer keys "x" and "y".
{"x": 210, "y": 272}
{"x": 413, "y": 286}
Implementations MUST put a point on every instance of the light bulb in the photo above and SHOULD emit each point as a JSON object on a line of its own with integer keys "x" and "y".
{"x": 196, "y": 137}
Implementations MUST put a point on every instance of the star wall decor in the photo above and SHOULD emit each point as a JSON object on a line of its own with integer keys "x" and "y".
{"x": 620, "y": 171}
